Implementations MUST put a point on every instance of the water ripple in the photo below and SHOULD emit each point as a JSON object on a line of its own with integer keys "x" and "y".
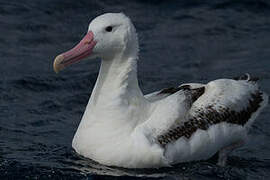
{"x": 183, "y": 41}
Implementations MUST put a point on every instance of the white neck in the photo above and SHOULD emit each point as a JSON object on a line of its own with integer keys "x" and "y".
{"x": 117, "y": 79}
{"x": 116, "y": 96}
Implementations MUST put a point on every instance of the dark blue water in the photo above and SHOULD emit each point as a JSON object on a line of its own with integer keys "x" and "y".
{"x": 181, "y": 41}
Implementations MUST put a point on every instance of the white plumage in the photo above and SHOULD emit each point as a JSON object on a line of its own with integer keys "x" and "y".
{"x": 122, "y": 127}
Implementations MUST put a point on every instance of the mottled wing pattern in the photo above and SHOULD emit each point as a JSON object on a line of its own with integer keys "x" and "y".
{"x": 158, "y": 95}
{"x": 227, "y": 101}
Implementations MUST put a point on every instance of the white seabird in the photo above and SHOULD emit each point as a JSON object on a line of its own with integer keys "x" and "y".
{"x": 122, "y": 127}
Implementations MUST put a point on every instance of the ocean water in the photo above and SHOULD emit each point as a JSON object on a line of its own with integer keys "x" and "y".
{"x": 180, "y": 41}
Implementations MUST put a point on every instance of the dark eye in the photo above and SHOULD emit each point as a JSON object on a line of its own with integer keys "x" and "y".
{"x": 109, "y": 28}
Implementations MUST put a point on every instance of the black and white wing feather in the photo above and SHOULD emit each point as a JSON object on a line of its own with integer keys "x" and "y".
{"x": 223, "y": 101}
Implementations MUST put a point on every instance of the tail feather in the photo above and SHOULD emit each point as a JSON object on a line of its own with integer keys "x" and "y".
{"x": 246, "y": 77}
